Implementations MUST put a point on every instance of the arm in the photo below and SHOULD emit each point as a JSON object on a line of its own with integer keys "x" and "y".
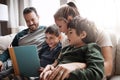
{"x": 95, "y": 66}
{"x": 93, "y": 71}
{"x": 5, "y": 55}
{"x": 104, "y": 41}
{"x": 108, "y": 60}
{"x": 62, "y": 71}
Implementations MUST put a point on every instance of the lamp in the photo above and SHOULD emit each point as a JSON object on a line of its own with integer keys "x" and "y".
{"x": 3, "y": 12}
{"x": 3, "y": 16}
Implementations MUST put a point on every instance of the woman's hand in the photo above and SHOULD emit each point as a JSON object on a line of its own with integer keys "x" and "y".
{"x": 62, "y": 71}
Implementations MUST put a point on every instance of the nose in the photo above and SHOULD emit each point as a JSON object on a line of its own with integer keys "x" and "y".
{"x": 47, "y": 40}
{"x": 31, "y": 22}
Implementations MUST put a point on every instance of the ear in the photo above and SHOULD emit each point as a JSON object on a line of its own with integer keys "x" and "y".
{"x": 83, "y": 34}
{"x": 38, "y": 17}
{"x": 60, "y": 37}
{"x": 69, "y": 18}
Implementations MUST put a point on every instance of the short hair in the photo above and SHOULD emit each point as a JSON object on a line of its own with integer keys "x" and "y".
{"x": 53, "y": 29}
{"x": 29, "y": 10}
{"x": 82, "y": 24}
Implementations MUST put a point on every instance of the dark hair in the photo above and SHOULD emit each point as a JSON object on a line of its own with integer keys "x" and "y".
{"x": 53, "y": 29}
{"x": 72, "y": 4}
{"x": 66, "y": 10}
{"x": 29, "y": 10}
{"x": 81, "y": 24}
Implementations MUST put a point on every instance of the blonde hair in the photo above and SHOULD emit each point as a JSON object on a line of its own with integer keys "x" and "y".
{"x": 66, "y": 10}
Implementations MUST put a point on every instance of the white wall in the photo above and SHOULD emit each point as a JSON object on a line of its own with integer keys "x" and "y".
{"x": 46, "y": 10}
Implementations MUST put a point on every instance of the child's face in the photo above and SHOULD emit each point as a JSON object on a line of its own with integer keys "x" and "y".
{"x": 74, "y": 39}
{"x": 62, "y": 25}
{"x": 52, "y": 40}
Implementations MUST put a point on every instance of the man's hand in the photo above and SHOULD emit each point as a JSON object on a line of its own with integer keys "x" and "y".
{"x": 1, "y": 65}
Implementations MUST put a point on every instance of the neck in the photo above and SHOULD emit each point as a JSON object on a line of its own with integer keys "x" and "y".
{"x": 79, "y": 45}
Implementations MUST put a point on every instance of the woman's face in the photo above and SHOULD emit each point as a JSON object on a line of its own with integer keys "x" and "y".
{"x": 62, "y": 25}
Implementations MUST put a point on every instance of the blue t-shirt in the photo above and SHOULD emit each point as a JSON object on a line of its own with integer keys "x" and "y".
{"x": 48, "y": 56}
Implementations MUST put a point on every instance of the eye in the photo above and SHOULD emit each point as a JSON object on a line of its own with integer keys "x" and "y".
{"x": 70, "y": 32}
{"x": 59, "y": 26}
{"x": 46, "y": 38}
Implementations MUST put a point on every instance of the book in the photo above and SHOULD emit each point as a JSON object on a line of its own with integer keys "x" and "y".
{"x": 25, "y": 60}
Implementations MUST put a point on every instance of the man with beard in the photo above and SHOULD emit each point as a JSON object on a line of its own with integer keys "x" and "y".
{"x": 33, "y": 35}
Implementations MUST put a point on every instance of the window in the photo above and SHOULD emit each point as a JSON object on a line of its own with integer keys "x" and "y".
{"x": 103, "y": 12}
{"x": 46, "y": 10}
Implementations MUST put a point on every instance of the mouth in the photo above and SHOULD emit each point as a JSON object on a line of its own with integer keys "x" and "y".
{"x": 32, "y": 25}
{"x": 50, "y": 44}
{"x": 69, "y": 40}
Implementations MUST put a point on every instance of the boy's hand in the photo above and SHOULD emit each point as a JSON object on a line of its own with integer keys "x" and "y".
{"x": 45, "y": 72}
{"x": 41, "y": 69}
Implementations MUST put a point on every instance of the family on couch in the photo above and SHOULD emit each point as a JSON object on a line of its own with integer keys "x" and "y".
{"x": 66, "y": 20}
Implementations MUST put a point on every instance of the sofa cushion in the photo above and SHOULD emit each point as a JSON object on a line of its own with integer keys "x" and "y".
{"x": 118, "y": 59}
{"x": 5, "y": 41}
{"x": 117, "y": 77}
{"x": 114, "y": 43}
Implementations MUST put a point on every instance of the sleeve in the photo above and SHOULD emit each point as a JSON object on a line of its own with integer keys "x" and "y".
{"x": 103, "y": 39}
{"x": 94, "y": 69}
{"x": 15, "y": 41}
{"x": 4, "y": 56}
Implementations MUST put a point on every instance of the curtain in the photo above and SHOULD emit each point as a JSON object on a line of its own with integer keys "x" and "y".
{"x": 15, "y": 10}
{"x": 63, "y": 2}
{"x": 117, "y": 7}
{"x": 13, "y": 13}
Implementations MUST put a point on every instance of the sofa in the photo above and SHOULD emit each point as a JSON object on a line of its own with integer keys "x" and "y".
{"x": 6, "y": 40}
{"x": 116, "y": 57}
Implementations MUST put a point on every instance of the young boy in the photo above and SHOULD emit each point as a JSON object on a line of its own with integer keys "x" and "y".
{"x": 81, "y": 35}
{"x": 51, "y": 47}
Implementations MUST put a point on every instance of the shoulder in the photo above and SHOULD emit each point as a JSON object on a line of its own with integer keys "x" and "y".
{"x": 25, "y": 31}
{"x": 42, "y": 27}
{"x": 22, "y": 33}
{"x": 66, "y": 48}
{"x": 103, "y": 38}
{"x": 44, "y": 45}
{"x": 93, "y": 50}
{"x": 93, "y": 47}
{"x": 59, "y": 45}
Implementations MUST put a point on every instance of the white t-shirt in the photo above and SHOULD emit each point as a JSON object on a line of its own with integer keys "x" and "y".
{"x": 103, "y": 38}
{"x": 64, "y": 40}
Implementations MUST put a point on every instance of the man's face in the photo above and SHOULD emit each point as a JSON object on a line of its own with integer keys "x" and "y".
{"x": 32, "y": 21}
